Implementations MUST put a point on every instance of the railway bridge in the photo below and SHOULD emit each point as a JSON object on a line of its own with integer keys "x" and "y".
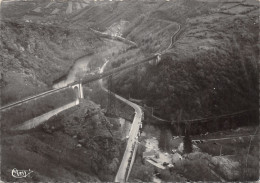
{"x": 76, "y": 86}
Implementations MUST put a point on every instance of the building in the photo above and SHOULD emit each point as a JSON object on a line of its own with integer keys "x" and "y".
{"x": 150, "y": 154}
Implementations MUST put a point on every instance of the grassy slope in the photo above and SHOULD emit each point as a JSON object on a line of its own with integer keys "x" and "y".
{"x": 104, "y": 16}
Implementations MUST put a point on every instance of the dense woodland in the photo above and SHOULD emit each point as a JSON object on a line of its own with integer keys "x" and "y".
{"x": 210, "y": 70}
{"x": 33, "y": 108}
{"x": 201, "y": 82}
{"x": 35, "y": 55}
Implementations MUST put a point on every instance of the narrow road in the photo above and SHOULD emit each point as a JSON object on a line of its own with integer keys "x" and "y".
{"x": 173, "y": 38}
{"x": 119, "y": 38}
{"x": 225, "y": 138}
{"x": 2, "y": 108}
{"x": 84, "y": 81}
{"x": 121, "y": 173}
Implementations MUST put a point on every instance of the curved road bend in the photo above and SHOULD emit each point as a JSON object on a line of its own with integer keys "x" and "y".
{"x": 173, "y": 38}
{"x": 121, "y": 173}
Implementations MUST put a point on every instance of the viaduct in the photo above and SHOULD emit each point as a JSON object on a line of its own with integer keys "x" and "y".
{"x": 77, "y": 86}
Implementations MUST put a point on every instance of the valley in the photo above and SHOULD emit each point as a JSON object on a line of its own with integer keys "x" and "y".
{"x": 186, "y": 99}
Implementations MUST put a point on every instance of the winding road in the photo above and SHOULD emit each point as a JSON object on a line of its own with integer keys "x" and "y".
{"x": 173, "y": 38}
{"x": 121, "y": 174}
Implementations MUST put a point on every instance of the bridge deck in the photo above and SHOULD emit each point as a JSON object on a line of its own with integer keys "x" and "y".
{"x": 83, "y": 81}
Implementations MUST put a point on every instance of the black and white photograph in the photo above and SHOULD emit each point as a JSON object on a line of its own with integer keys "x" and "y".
{"x": 129, "y": 91}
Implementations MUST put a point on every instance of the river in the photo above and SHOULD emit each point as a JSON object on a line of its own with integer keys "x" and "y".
{"x": 81, "y": 65}
{"x": 90, "y": 63}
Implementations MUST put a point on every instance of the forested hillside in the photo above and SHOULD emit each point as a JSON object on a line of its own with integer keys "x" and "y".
{"x": 77, "y": 145}
{"x": 208, "y": 67}
{"x": 33, "y": 56}
{"x": 211, "y": 69}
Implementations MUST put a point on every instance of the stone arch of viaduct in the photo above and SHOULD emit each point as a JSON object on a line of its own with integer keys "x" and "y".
{"x": 78, "y": 90}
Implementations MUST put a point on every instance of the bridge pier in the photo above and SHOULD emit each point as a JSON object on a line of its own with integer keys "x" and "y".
{"x": 32, "y": 123}
{"x": 78, "y": 90}
{"x": 81, "y": 90}
{"x": 158, "y": 58}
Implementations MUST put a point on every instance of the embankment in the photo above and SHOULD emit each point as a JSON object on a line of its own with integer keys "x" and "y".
{"x": 33, "y": 108}
{"x": 32, "y": 123}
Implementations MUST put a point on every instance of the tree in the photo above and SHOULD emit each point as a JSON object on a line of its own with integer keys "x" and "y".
{"x": 142, "y": 172}
{"x": 187, "y": 143}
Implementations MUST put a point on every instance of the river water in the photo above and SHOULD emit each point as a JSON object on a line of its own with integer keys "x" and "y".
{"x": 87, "y": 64}
{"x": 82, "y": 64}
{"x": 90, "y": 63}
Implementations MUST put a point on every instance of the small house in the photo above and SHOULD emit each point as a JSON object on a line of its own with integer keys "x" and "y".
{"x": 150, "y": 154}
